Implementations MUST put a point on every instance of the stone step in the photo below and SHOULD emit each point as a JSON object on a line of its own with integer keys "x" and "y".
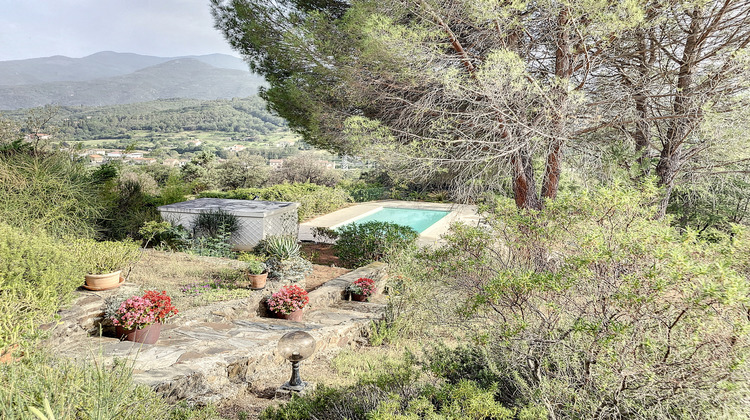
{"x": 217, "y": 351}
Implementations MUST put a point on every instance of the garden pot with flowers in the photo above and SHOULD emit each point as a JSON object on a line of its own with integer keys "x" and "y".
{"x": 257, "y": 274}
{"x": 288, "y": 302}
{"x": 139, "y": 318}
{"x": 361, "y": 289}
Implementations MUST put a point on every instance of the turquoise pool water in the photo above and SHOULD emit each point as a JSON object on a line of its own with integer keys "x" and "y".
{"x": 418, "y": 220}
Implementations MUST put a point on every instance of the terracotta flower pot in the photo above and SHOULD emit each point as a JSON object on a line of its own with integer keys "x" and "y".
{"x": 146, "y": 335}
{"x": 257, "y": 281}
{"x": 294, "y": 316}
{"x": 103, "y": 281}
{"x": 359, "y": 298}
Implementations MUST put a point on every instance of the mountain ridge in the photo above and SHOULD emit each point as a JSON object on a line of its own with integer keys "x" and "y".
{"x": 110, "y": 78}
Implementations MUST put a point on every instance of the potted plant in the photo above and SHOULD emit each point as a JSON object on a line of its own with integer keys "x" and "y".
{"x": 288, "y": 302}
{"x": 139, "y": 318}
{"x": 361, "y": 289}
{"x": 257, "y": 274}
{"x": 106, "y": 262}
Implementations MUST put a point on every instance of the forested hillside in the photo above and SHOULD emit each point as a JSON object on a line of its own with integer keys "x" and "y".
{"x": 182, "y": 78}
{"x": 247, "y": 117}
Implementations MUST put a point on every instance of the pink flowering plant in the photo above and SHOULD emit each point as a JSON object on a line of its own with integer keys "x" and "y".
{"x": 288, "y": 299}
{"x": 362, "y": 286}
{"x": 141, "y": 311}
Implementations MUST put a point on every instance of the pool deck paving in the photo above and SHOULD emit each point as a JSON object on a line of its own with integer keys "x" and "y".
{"x": 215, "y": 352}
{"x": 463, "y": 213}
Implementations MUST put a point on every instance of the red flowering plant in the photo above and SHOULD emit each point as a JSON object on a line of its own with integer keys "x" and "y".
{"x": 362, "y": 286}
{"x": 141, "y": 311}
{"x": 288, "y": 299}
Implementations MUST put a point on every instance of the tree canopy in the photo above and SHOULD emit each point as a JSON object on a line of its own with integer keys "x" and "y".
{"x": 480, "y": 92}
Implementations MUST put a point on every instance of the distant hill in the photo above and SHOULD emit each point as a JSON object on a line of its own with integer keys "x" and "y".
{"x": 109, "y": 78}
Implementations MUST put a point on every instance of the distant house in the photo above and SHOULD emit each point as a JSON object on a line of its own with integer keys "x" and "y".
{"x": 142, "y": 161}
{"x": 236, "y": 148}
{"x": 276, "y": 163}
{"x": 38, "y": 136}
{"x": 115, "y": 154}
{"x": 171, "y": 162}
{"x": 134, "y": 155}
{"x": 96, "y": 158}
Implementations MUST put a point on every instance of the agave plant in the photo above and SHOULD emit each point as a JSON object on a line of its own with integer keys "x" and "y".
{"x": 282, "y": 247}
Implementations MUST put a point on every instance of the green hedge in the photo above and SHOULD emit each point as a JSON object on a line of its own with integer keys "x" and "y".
{"x": 314, "y": 199}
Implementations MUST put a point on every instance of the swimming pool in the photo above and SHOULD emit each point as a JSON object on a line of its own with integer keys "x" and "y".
{"x": 416, "y": 219}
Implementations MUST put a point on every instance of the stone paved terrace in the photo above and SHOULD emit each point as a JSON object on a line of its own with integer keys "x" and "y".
{"x": 213, "y": 352}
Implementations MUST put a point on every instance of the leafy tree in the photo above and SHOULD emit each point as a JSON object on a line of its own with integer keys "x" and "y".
{"x": 475, "y": 90}
{"x": 677, "y": 86}
{"x": 306, "y": 167}
{"x": 244, "y": 170}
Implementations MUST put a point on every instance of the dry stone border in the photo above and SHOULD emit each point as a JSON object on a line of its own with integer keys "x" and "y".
{"x": 214, "y": 352}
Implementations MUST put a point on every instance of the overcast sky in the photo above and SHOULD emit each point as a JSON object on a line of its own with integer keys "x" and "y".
{"x": 77, "y": 28}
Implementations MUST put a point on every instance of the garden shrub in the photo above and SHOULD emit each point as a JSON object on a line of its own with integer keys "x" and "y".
{"x": 42, "y": 191}
{"x": 215, "y": 223}
{"x": 128, "y": 208}
{"x": 594, "y": 309}
{"x": 38, "y": 274}
{"x": 75, "y": 391}
{"x": 164, "y": 235}
{"x": 361, "y": 244}
{"x": 314, "y": 199}
{"x": 399, "y": 394}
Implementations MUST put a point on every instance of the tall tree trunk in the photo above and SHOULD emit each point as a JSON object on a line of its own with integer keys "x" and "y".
{"x": 524, "y": 186}
{"x": 563, "y": 72}
{"x": 681, "y": 126}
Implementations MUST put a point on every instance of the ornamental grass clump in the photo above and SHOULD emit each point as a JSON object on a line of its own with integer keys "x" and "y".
{"x": 141, "y": 311}
{"x": 288, "y": 299}
{"x": 362, "y": 286}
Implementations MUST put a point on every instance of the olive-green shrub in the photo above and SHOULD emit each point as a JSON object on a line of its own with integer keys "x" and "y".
{"x": 79, "y": 391}
{"x": 592, "y": 308}
{"x": 48, "y": 192}
{"x": 400, "y": 394}
{"x": 38, "y": 273}
{"x": 314, "y": 199}
{"x": 360, "y": 244}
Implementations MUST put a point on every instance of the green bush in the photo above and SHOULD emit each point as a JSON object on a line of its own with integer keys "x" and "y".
{"x": 399, "y": 395}
{"x": 128, "y": 208}
{"x": 215, "y": 223}
{"x": 163, "y": 235}
{"x": 38, "y": 274}
{"x": 48, "y": 192}
{"x": 593, "y": 309}
{"x": 361, "y": 244}
{"x": 74, "y": 391}
{"x": 314, "y": 199}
